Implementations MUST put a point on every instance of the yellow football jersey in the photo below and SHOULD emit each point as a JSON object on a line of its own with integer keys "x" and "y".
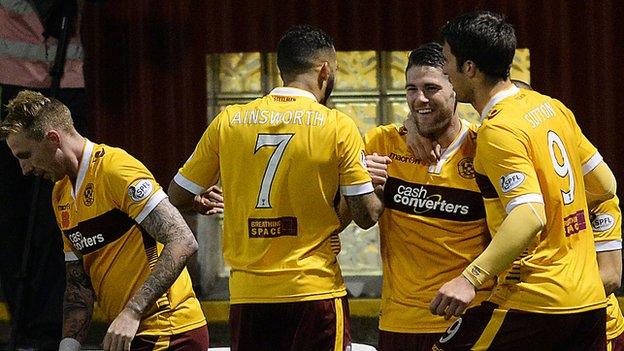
{"x": 99, "y": 220}
{"x": 530, "y": 149}
{"x": 606, "y": 222}
{"x": 433, "y": 226}
{"x": 282, "y": 159}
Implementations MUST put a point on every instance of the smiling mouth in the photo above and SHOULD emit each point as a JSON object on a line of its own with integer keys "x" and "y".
{"x": 424, "y": 111}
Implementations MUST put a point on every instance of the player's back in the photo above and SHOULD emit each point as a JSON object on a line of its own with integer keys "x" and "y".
{"x": 549, "y": 155}
{"x": 282, "y": 160}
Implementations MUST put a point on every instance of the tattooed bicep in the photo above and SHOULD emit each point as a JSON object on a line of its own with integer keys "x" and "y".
{"x": 165, "y": 223}
{"x": 76, "y": 274}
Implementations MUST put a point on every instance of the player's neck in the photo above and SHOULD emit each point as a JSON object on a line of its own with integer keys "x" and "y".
{"x": 450, "y": 134}
{"x": 486, "y": 91}
{"x": 74, "y": 150}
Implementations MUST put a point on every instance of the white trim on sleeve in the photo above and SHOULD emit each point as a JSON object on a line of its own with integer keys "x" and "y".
{"x": 70, "y": 256}
{"x": 592, "y": 163}
{"x": 608, "y": 245}
{"x": 150, "y": 205}
{"x": 187, "y": 184}
{"x": 357, "y": 189}
{"x": 524, "y": 199}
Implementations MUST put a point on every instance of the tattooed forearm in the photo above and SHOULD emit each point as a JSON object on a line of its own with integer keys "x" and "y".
{"x": 365, "y": 209}
{"x": 167, "y": 226}
{"x": 77, "y": 303}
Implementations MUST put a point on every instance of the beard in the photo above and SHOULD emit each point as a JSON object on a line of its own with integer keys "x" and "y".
{"x": 328, "y": 89}
{"x": 433, "y": 129}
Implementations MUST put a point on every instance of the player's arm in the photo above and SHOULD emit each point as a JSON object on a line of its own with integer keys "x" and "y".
{"x": 77, "y": 306}
{"x": 610, "y": 265}
{"x": 207, "y": 203}
{"x": 365, "y": 209}
{"x": 516, "y": 232}
{"x": 600, "y": 184}
{"x": 167, "y": 226}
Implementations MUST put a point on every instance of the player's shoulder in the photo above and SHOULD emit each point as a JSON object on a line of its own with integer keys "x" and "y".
{"x": 110, "y": 160}
{"x": 386, "y": 131}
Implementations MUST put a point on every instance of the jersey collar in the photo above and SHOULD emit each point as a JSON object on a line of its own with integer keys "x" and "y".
{"x": 513, "y": 90}
{"x": 290, "y": 91}
{"x": 82, "y": 168}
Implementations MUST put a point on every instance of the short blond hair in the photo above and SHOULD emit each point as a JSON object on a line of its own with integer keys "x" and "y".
{"x": 35, "y": 114}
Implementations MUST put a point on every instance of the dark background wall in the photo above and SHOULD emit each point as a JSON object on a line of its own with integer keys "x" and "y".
{"x": 146, "y": 68}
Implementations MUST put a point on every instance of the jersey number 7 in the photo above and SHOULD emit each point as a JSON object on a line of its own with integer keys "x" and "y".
{"x": 279, "y": 141}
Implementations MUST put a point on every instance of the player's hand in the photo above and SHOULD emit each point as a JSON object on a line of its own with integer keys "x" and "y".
{"x": 209, "y": 202}
{"x": 423, "y": 149}
{"x": 121, "y": 332}
{"x": 378, "y": 168}
{"x": 453, "y": 298}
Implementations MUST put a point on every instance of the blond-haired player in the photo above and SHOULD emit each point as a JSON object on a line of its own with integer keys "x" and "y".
{"x": 125, "y": 244}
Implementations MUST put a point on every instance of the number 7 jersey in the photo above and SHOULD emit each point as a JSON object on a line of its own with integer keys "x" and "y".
{"x": 531, "y": 150}
{"x": 282, "y": 160}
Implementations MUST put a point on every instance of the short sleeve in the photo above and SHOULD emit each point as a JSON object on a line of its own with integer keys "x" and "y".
{"x": 503, "y": 157}
{"x": 606, "y": 222}
{"x": 354, "y": 178}
{"x": 132, "y": 187}
{"x": 201, "y": 170}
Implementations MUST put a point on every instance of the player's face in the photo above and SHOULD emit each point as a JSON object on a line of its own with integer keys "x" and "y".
{"x": 329, "y": 86}
{"x": 455, "y": 76}
{"x": 41, "y": 158}
{"x": 431, "y": 100}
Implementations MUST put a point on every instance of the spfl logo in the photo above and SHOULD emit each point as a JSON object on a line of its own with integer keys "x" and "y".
{"x": 511, "y": 181}
{"x": 140, "y": 189}
{"x": 88, "y": 195}
{"x": 601, "y": 222}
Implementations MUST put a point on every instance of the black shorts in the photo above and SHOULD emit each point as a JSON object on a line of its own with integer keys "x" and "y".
{"x": 321, "y": 325}
{"x": 391, "y": 341}
{"x": 487, "y": 327}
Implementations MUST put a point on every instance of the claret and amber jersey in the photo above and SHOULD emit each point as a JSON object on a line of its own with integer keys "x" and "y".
{"x": 100, "y": 217}
{"x": 606, "y": 223}
{"x": 531, "y": 150}
{"x": 433, "y": 226}
{"x": 281, "y": 159}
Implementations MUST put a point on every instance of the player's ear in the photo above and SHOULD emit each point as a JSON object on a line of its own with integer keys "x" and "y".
{"x": 324, "y": 73}
{"x": 469, "y": 68}
{"x": 53, "y": 137}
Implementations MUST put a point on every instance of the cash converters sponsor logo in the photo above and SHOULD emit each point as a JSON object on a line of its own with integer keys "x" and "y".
{"x": 433, "y": 201}
{"x": 272, "y": 227}
{"x": 140, "y": 190}
{"x": 81, "y": 242}
{"x": 575, "y": 222}
{"x": 88, "y": 195}
{"x": 601, "y": 222}
{"x": 511, "y": 181}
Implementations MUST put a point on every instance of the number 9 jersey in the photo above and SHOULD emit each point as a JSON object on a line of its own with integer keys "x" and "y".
{"x": 531, "y": 150}
{"x": 282, "y": 160}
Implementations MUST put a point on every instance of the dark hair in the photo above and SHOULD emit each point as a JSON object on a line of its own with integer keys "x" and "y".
{"x": 298, "y": 49}
{"x": 429, "y": 54}
{"x": 484, "y": 38}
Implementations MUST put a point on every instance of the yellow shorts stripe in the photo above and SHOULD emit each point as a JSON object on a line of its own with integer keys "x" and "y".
{"x": 486, "y": 338}
{"x": 339, "y": 325}
{"x": 163, "y": 343}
